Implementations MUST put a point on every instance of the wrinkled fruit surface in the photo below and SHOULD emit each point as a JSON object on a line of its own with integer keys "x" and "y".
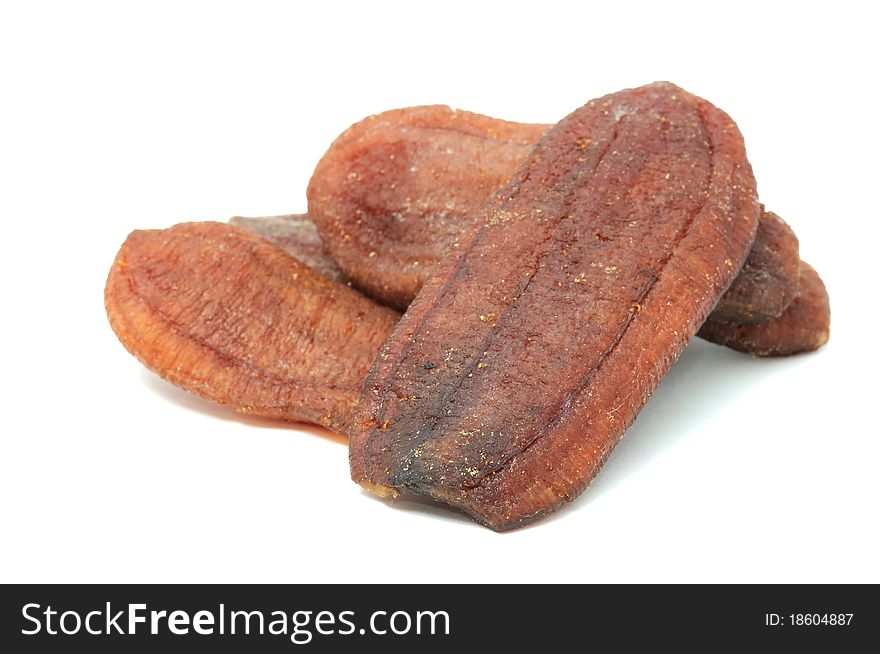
{"x": 229, "y": 317}
{"x": 392, "y": 194}
{"x": 295, "y": 234}
{"x": 768, "y": 281}
{"x": 511, "y": 377}
{"x": 803, "y": 327}
{"x": 300, "y": 244}
{"x": 395, "y": 192}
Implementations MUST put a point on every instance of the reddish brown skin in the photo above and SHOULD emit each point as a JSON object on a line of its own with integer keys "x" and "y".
{"x": 300, "y": 243}
{"x": 522, "y": 361}
{"x": 231, "y": 318}
{"x": 768, "y": 281}
{"x": 803, "y": 327}
{"x": 394, "y": 193}
{"x": 295, "y": 234}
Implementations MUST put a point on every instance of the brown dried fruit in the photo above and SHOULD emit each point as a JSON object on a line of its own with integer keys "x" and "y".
{"x": 723, "y": 333}
{"x": 516, "y": 370}
{"x": 393, "y": 194}
{"x": 231, "y": 318}
{"x": 803, "y": 327}
{"x": 295, "y": 234}
{"x": 768, "y": 281}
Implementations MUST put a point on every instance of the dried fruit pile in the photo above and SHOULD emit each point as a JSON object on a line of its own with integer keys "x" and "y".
{"x": 549, "y": 275}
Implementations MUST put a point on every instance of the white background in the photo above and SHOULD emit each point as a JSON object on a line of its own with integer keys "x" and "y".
{"x": 116, "y": 116}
